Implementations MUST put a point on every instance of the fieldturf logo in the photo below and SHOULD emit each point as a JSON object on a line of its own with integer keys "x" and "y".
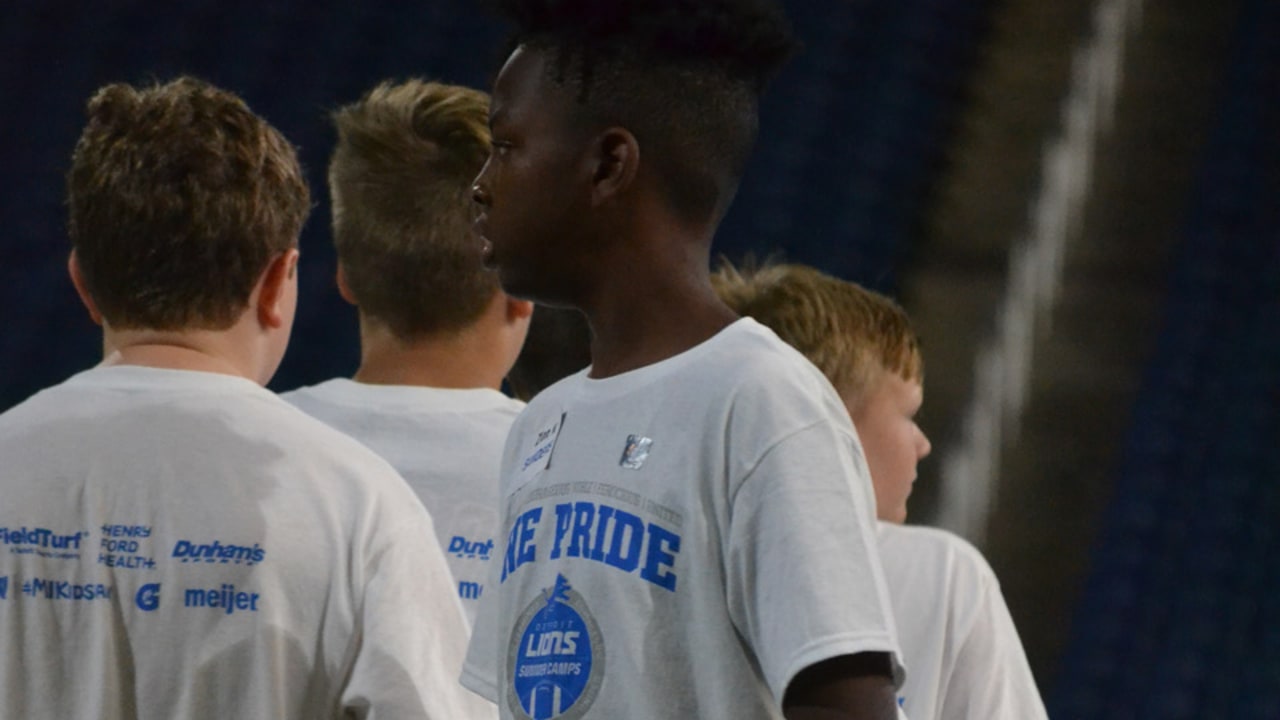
{"x": 40, "y": 537}
{"x": 4, "y": 587}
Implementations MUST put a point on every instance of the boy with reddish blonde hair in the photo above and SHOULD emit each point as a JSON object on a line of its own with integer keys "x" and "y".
{"x": 958, "y": 640}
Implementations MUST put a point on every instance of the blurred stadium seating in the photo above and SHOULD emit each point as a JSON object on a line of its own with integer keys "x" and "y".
{"x": 1180, "y": 617}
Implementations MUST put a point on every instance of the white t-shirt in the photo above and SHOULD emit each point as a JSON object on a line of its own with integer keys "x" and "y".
{"x": 184, "y": 545}
{"x": 956, "y": 633}
{"x": 681, "y": 540}
{"x": 447, "y": 443}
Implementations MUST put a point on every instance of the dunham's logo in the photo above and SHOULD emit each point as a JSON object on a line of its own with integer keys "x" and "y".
{"x": 461, "y": 547}
{"x": 218, "y": 552}
{"x": 40, "y": 538}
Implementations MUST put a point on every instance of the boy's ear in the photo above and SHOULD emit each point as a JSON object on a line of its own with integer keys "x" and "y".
{"x": 616, "y": 161}
{"x": 518, "y": 309}
{"x": 273, "y": 287}
{"x": 82, "y": 289}
{"x": 343, "y": 288}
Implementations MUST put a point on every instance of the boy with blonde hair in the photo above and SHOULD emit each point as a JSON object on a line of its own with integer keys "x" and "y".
{"x": 437, "y": 334}
{"x": 964, "y": 657}
{"x": 176, "y": 541}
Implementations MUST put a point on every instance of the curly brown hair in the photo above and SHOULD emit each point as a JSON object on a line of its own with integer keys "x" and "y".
{"x": 178, "y": 197}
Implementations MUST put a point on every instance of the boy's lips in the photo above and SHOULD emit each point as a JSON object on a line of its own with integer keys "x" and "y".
{"x": 486, "y": 251}
{"x": 486, "y": 245}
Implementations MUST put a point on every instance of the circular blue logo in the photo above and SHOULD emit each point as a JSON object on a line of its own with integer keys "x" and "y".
{"x": 556, "y": 646}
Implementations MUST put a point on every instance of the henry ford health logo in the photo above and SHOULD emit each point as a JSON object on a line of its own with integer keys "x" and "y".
{"x": 556, "y": 657}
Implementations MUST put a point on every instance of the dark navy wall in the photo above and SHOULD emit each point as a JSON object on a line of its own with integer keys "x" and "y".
{"x": 850, "y": 130}
{"x": 293, "y": 62}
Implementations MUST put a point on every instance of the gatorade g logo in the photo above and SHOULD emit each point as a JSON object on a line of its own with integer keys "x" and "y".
{"x": 148, "y": 597}
{"x": 556, "y": 659}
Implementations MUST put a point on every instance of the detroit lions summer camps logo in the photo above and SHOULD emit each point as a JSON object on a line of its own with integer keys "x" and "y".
{"x": 556, "y": 657}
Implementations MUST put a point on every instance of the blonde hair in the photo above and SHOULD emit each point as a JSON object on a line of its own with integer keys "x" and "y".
{"x": 400, "y": 180}
{"x": 850, "y": 333}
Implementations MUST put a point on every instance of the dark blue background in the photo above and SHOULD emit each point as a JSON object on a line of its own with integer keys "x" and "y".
{"x": 851, "y": 130}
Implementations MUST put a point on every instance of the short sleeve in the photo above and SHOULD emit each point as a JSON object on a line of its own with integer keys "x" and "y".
{"x": 803, "y": 574}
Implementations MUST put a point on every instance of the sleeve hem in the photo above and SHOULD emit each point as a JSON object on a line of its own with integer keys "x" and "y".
{"x": 827, "y": 648}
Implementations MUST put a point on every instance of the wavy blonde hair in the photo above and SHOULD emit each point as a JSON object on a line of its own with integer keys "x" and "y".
{"x": 400, "y": 181}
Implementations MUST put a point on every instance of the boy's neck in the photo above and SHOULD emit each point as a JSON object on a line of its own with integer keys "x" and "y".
{"x": 462, "y": 360}
{"x": 196, "y": 350}
{"x": 674, "y": 312}
{"x": 642, "y": 349}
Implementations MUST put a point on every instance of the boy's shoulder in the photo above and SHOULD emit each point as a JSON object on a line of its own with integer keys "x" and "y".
{"x": 747, "y": 359}
{"x": 744, "y": 366}
{"x": 765, "y": 374}
{"x": 215, "y": 410}
{"x": 339, "y": 396}
{"x": 754, "y": 347}
{"x": 920, "y": 546}
{"x": 331, "y": 390}
{"x": 327, "y": 451}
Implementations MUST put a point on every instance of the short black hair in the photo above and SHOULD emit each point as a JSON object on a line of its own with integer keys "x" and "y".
{"x": 684, "y": 76}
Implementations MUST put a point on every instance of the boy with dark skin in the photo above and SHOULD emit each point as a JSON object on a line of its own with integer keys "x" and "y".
{"x": 620, "y": 131}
